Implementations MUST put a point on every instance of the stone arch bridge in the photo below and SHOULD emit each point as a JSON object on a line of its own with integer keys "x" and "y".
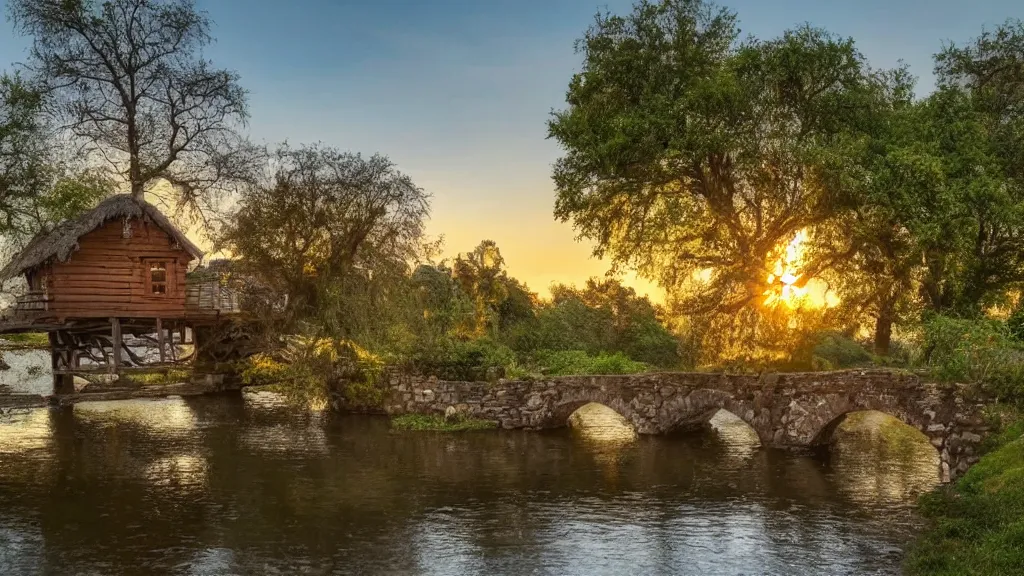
{"x": 797, "y": 410}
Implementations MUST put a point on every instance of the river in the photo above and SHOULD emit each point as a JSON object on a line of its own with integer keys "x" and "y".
{"x": 247, "y": 485}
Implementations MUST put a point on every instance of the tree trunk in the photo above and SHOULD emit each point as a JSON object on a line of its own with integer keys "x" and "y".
{"x": 883, "y": 327}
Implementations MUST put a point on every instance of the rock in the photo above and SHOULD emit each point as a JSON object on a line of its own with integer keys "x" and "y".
{"x": 971, "y": 437}
{"x": 451, "y": 414}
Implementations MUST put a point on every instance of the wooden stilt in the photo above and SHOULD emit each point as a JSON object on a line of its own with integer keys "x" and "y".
{"x": 115, "y": 332}
{"x": 62, "y": 383}
{"x": 160, "y": 339}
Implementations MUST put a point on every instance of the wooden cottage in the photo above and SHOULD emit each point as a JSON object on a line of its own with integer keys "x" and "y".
{"x": 120, "y": 267}
{"x": 122, "y": 259}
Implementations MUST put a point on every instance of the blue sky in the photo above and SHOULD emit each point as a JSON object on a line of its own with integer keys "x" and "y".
{"x": 457, "y": 92}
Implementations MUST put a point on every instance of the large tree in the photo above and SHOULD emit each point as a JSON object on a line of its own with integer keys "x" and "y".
{"x": 128, "y": 81}
{"x": 690, "y": 154}
{"x": 334, "y": 231}
{"x": 500, "y": 301}
{"x": 24, "y": 172}
{"x": 978, "y": 120}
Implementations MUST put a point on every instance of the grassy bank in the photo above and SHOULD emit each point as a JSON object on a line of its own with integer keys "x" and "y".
{"x": 25, "y": 340}
{"x": 977, "y": 526}
{"x": 420, "y": 422}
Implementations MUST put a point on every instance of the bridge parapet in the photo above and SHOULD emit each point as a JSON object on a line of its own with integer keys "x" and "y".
{"x": 795, "y": 410}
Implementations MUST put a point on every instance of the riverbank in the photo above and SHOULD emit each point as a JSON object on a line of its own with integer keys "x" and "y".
{"x": 977, "y": 525}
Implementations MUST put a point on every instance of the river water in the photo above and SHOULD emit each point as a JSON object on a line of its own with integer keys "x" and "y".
{"x": 246, "y": 485}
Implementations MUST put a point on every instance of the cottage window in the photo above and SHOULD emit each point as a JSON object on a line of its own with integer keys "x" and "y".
{"x": 157, "y": 279}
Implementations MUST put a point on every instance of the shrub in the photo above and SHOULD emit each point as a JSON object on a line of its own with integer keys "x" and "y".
{"x": 467, "y": 360}
{"x": 578, "y": 362}
{"x": 976, "y": 351}
{"x": 306, "y": 370}
{"x": 834, "y": 350}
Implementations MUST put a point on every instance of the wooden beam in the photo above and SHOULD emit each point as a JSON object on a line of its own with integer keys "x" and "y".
{"x": 160, "y": 339}
{"x": 115, "y": 332}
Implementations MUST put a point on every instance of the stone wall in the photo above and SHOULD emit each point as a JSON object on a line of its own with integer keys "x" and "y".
{"x": 786, "y": 410}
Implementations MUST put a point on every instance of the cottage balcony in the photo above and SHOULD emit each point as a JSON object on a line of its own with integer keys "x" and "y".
{"x": 205, "y": 296}
{"x": 31, "y": 302}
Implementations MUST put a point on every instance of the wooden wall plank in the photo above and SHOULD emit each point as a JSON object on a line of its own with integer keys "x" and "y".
{"x": 106, "y": 277}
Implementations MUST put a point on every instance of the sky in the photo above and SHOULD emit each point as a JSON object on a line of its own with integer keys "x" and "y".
{"x": 458, "y": 92}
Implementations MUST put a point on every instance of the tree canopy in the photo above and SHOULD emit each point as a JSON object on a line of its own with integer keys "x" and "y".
{"x": 326, "y": 225}
{"x": 698, "y": 159}
{"x": 127, "y": 82}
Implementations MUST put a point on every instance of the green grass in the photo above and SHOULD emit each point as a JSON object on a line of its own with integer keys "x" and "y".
{"x": 420, "y": 422}
{"x": 977, "y": 526}
{"x": 171, "y": 376}
{"x": 39, "y": 339}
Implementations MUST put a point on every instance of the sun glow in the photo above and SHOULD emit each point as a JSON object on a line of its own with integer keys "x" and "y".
{"x": 784, "y": 286}
{"x": 787, "y": 285}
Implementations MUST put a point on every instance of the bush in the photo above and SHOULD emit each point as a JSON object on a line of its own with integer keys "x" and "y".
{"x": 578, "y": 362}
{"x": 975, "y": 351}
{"x": 464, "y": 360}
{"x": 307, "y": 370}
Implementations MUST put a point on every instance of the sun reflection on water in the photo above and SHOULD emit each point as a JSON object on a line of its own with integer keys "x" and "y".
{"x": 178, "y": 470}
{"x": 24, "y": 431}
{"x": 882, "y": 459}
{"x": 738, "y": 440}
{"x": 173, "y": 414}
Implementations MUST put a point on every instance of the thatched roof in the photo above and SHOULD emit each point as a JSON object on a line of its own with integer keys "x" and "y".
{"x": 62, "y": 241}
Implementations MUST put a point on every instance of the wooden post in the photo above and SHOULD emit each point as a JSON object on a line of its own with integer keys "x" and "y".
{"x": 63, "y": 383}
{"x": 160, "y": 339}
{"x": 115, "y": 333}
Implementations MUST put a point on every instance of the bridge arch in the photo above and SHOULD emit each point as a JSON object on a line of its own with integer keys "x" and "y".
{"x": 785, "y": 410}
{"x": 820, "y": 424}
{"x": 559, "y": 413}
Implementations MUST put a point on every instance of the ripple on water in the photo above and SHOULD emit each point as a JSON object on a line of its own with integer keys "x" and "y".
{"x": 248, "y": 485}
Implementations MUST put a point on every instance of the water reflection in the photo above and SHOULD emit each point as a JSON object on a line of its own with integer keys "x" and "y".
{"x": 170, "y": 415}
{"x": 246, "y": 485}
{"x": 881, "y": 459}
{"x": 181, "y": 470}
{"x": 24, "y": 431}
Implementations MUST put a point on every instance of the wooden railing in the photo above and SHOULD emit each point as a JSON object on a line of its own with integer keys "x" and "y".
{"x": 211, "y": 295}
{"x": 32, "y": 301}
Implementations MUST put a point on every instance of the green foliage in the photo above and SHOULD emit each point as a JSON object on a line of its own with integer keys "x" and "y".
{"x": 978, "y": 351}
{"x": 464, "y": 360}
{"x": 459, "y": 423}
{"x": 307, "y": 370}
{"x": 688, "y": 151}
{"x": 70, "y": 196}
{"x": 159, "y": 377}
{"x": 335, "y": 232}
{"x": 829, "y": 351}
{"x": 578, "y": 362}
{"x": 603, "y": 317}
{"x": 499, "y": 301}
{"x": 1016, "y": 323}
{"x": 976, "y": 527}
{"x": 24, "y": 171}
